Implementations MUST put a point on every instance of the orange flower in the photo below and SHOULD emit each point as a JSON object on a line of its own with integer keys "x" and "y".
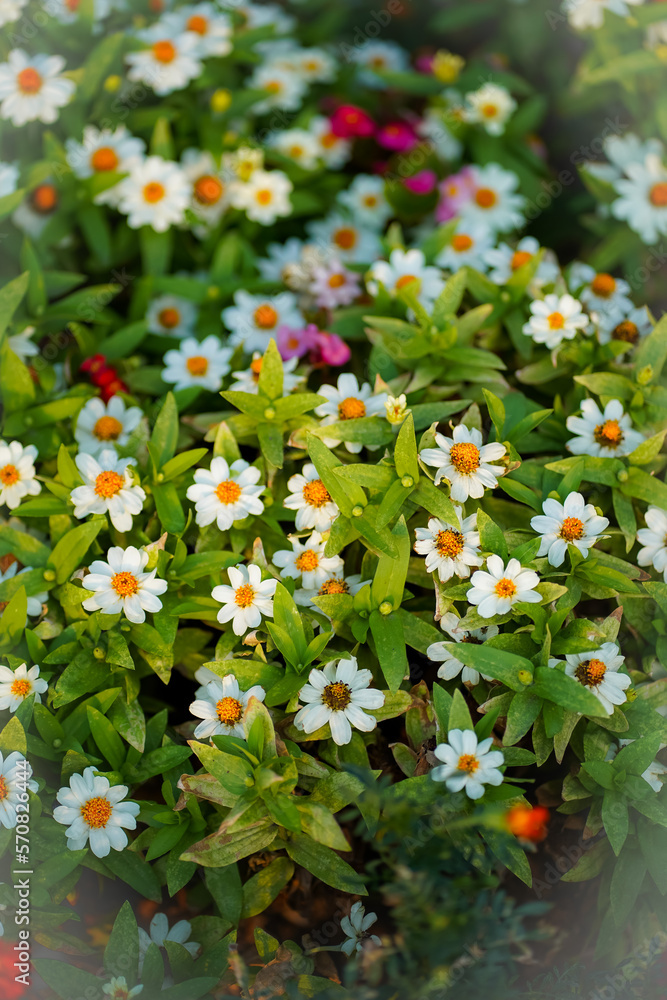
{"x": 528, "y": 822}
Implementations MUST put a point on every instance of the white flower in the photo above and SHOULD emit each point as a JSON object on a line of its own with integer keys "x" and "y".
{"x": 159, "y": 932}
{"x": 117, "y": 989}
{"x": 67, "y": 11}
{"x": 306, "y": 560}
{"x": 348, "y": 400}
{"x": 120, "y": 584}
{"x": 654, "y": 539}
{"x": 297, "y": 144}
{"x": 366, "y": 201}
{"x": 170, "y": 61}
{"x": 22, "y": 345}
{"x": 338, "y": 695}
{"x": 355, "y": 927}
{"x": 221, "y": 705}
{"x": 590, "y": 13}
{"x": 17, "y": 473}
{"x": 104, "y": 151}
{"x": 35, "y": 212}
{"x": 626, "y": 324}
{"x": 451, "y": 667}
{"x": 210, "y": 27}
{"x": 374, "y": 56}
{"x": 264, "y": 197}
{"x": 246, "y": 600}
{"x": 10, "y": 10}
{"x": 575, "y": 523}
{"x": 464, "y": 462}
{"x": 9, "y": 178}
{"x": 406, "y": 269}
{"x": 226, "y": 493}
{"x": 281, "y": 259}
{"x": 490, "y": 106}
{"x": 598, "y": 291}
{"x": 197, "y": 363}
{"x": 607, "y": 433}
{"x": 599, "y": 672}
{"x": 94, "y": 812}
{"x": 108, "y": 489}
{"x": 336, "y": 584}
{"x": 254, "y": 319}
{"x": 434, "y": 129}
{"x": 17, "y": 685}
{"x": 101, "y": 426}
{"x": 248, "y": 380}
{"x": 315, "y": 65}
{"x": 493, "y": 202}
{"x": 333, "y": 150}
{"x": 209, "y": 192}
{"x": 504, "y": 260}
{"x": 15, "y": 776}
{"x": 172, "y": 316}
{"x": 340, "y": 236}
{"x": 554, "y": 319}
{"x": 499, "y": 589}
{"x": 284, "y": 89}
{"x": 450, "y": 548}
{"x": 310, "y": 499}
{"x": 468, "y": 765}
{"x": 396, "y": 408}
{"x": 333, "y": 285}
{"x": 32, "y": 88}
{"x": 643, "y": 198}
{"x": 35, "y": 601}
{"x": 467, "y": 247}
{"x": 155, "y": 193}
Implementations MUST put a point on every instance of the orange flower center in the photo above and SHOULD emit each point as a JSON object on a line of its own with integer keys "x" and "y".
{"x": 462, "y": 242}
{"x": 449, "y": 543}
{"x": 244, "y": 595}
{"x": 264, "y": 196}
{"x": 345, "y": 238}
{"x": 229, "y": 711}
{"x": 108, "y": 484}
{"x": 328, "y": 140}
{"x": 334, "y": 586}
{"x": 603, "y": 285}
{"x": 556, "y": 321}
{"x": 44, "y": 198}
{"x": 256, "y": 368}
{"x": 351, "y": 408}
{"x": 198, "y": 24}
{"x": 29, "y": 81}
{"x": 519, "y": 258}
{"x": 608, "y": 434}
{"x": 107, "y": 429}
{"x": 336, "y": 280}
{"x": 307, "y": 561}
{"x": 295, "y": 152}
{"x": 486, "y": 198}
{"x": 591, "y": 672}
{"x": 208, "y": 190}
{"x": 658, "y": 195}
{"x": 265, "y": 317}
{"x": 104, "y": 159}
{"x": 468, "y": 763}
{"x": 154, "y": 192}
{"x": 464, "y": 457}
{"x": 490, "y": 110}
{"x": 316, "y": 494}
{"x": 626, "y": 331}
{"x": 9, "y": 475}
{"x": 4, "y": 790}
{"x": 125, "y": 584}
{"x": 370, "y": 200}
{"x": 273, "y": 86}
{"x": 164, "y": 52}
{"x": 228, "y": 491}
{"x": 96, "y": 812}
{"x": 197, "y": 365}
{"x": 169, "y": 317}
{"x": 505, "y": 587}
{"x": 406, "y": 279}
{"x": 21, "y": 688}
{"x": 337, "y": 696}
{"x": 572, "y": 529}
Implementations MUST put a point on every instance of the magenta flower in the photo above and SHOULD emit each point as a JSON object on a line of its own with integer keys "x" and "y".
{"x": 294, "y": 342}
{"x": 397, "y": 136}
{"x": 455, "y": 191}
{"x": 349, "y": 121}
{"x": 422, "y": 183}
{"x": 331, "y": 350}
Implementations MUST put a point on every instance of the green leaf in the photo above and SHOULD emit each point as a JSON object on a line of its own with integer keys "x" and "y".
{"x": 262, "y": 888}
{"x": 16, "y": 385}
{"x": 73, "y": 546}
{"x": 492, "y": 538}
{"x": 387, "y": 632}
{"x": 130, "y": 868}
{"x": 405, "y": 450}
{"x": 615, "y": 819}
{"x": 13, "y": 620}
{"x": 324, "y": 864}
{"x": 169, "y": 508}
{"x": 165, "y": 433}
{"x": 271, "y": 373}
{"x": 106, "y": 738}
{"x": 11, "y": 296}
{"x": 271, "y": 443}
{"x": 647, "y": 450}
{"x": 121, "y": 955}
{"x": 435, "y": 501}
{"x": 459, "y": 713}
{"x": 496, "y": 412}
{"x": 553, "y": 685}
{"x": 497, "y": 663}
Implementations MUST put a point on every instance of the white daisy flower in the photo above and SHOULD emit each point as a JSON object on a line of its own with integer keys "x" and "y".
{"x": 108, "y": 489}
{"x": 342, "y": 237}
{"x": 450, "y": 549}
{"x": 197, "y": 363}
{"x": 406, "y": 269}
{"x": 297, "y": 144}
{"x": 366, "y": 201}
{"x": 373, "y": 56}
{"x": 265, "y": 197}
{"x": 226, "y": 493}
{"x": 32, "y": 88}
{"x": 67, "y": 11}
{"x": 284, "y": 89}
{"x": 467, "y": 248}
{"x": 654, "y": 774}
{"x": 221, "y": 705}
{"x": 334, "y": 151}
{"x": 605, "y": 433}
{"x": 467, "y": 764}
{"x": 10, "y": 10}
{"x": 209, "y": 192}
{"x": 120, "y": 585}
{"x": 599, "y": 291}
{"x": 464, "y": 462}
{"x": 35, "y": 601}
{"x": 306, "y": 561}
{"x": 248, "y": 380}
{"x": 94, "y": 813}
{"x": 17, "y": 685}
{"x": 315, "y": 65}
{"x": 491, "y": 106}
{"x": 355, "y": 928}
{"x": 172, "y": 316}
{"x": 571, "y": 523}
{"x": 36, "y": 211}
{"x": 9, "y": 178}
{"x": 281, "y": 258}
{"x": 554, "y": 319}
{"x": 211, "y": 28}
{"x": 159, "y": 932}
{"x": 451, "y": 667}
{"x": 102, "y": 152}
{"x": 434, "y": 129}
{"x": 17, "y": 473}
{"x": 15, "y": 774}
{"x": 246, "y": 600}
{"x": 254, "y": 319}
{"x": 170, "y": 61}
{"x": 643, "y": 198}
{"x": 117, "y": 989}
{"x": 155, "y": 193}
{"x": 338, "y": 695}
{"x": 101, "y": 426}
{"x": 504, "y": 260}
{"x": 494, "y": 203}
{"x": 590, "y": 13}
{"x": 654, "y": 541}
{"x": 310, "y": 499}
{"x": 348, "y": 400}
{"x": 599, "y": 671}
{"x": 333, "y": 285}
{"x": 628, "y": 324}
{"x": 495, "y": 592}
{"x": 22, "y": 344}
{"x": 336, "y": 584}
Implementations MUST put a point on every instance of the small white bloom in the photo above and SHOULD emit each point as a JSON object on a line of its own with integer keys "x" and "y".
{"x": 298, "y": 145}
{"x": 265, "y": 197}
{"x": 226, "y": 493}
{"x": 102, "y": 152}
{"x": 248, "y": 380}
{"x": 159, "y": 932}
{"x": 406, "y": 269}
{"x": 32, "y": 88}
{"x": 15, "y": 773}
{"x": 310, "y": 499}
{"x": 209, "y": 192}
{"x": 37, "y": 209}
{"x": 254, "y": 319}
{"x": 284, "y": 89}
{"x": 155, "y": 193}
{"x": 450, "y": 549}
{"x": 338, "y": 695}
{"x": 22, "y": 344}
{"x": 306, "y": 561}
{"x": 120, "y": 584}
{"x": 221, "y": 705}
{"x": 498, "y": 590}
{"x": 374, "y": 56}
{"x": 355, "y": 928}
{"x": 10, "y": 10}
{"x": 396, "y": 408}
{"x": 9, "y": 178}
{"x": 599, "y": 671}
{"x": 451, "y": 666}
{"x": 172, "y": 316}
{"x": 654, "y": 540}
{"x": 281, "y": 259}
{"x": 590, "y": 13}
{"x": 464, "y": 462}
{"x": 467, "y": 764}
{"x": 94, "y": 812}
{"x": 17, "y": 685}
{"x": 197, "y": 363}
{"x": 493, "y": 201}
{"x": 333, "y": 149}
{"x": 340, "y": 236}
{"x": 336, "y": 584}
{"x": 170, "y": 61}
{"x": 35, "y": 601}
{"x": 571, "y": 523}
{"x": 348, "y": 400}
{"x": 467, "y": 248}
{"x": 599, "y": 291}
{"x": 434, "y": 129}
{"x": 607, "y": 433}
{"x": 554, "y": 319}
{"x": 246, "y": 600}
{"x": 210, "y": 27}
{"x": 627, "y": 324}
{"x": 642, "y": 201}
{"x": 17, "y": 473}
{"x": 101, "y": 426}
{"x": 366, "y": 201}
{"x": 108, "y": 489}
{"x": 504, "y": 260}
{"x": 333, "y": 285}
{"x": 117, "y": 989}
{"x": 490, "y": 106}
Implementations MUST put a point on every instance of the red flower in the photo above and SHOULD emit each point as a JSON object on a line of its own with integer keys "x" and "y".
{"x": 348, "y": 121}
{"x": 9, "y": 988}
{"x": 528, "y": 823}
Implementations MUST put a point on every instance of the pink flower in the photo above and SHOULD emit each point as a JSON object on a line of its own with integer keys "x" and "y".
{"x": 397, "y": 136}
{"x": 422, "y": 183}
{"x": 333, "y": 285}
{"x": 330, "y": 350}
{"x": 294, "y": 342}
{"x": 424, "y": 64}
{"x": 455, "y": 191}
{"x": 349, "y": 121}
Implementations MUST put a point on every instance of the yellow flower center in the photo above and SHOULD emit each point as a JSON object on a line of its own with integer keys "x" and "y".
{"x": 229, "y": 711}
{"x": 244, "y": 595}
{"x": 490, "y": 110}
{"x": 505, "y": 587}
{"x": 164, "y": 51}
{"x": 626, "y": 331}
{"x": 405, "y": 280}
{"x": 264, "y": 196}
{"x": 519, "y": 258}
{"x": 449, "y": 543}
{"x": 468, "y": 763}
{"x": 486, "y": 198}
{"x": 316, "y": 494}
{"x": 228, "y": 491}
{"x": 572, "y": 529}
{"x": 96, "y": 812}
{"x": 603, "y": 285}
{"x": 658, "y": 195}
{"x": 154, "y": 192}
{"x": 265, "y": 317}
{"x": 307, "y": 561}
{"x": 345, "y": 238}
{"x": 4, "y": 790}
{"x": 591, "y": 672}
{"x": 21, "y": 688}
{"x": 29, "y": 81}
{"x": 256, "y": 368}
{"x": 351, "y": 408}
{"x": 104, "y": 159}
{"x": 608, "y": 434}
{"x": 334, "y": 586}
{"x": 462, "y": 242}
{"x": 198, "y": 24}
{"x": 465, "y": 457}
{"x": 125, "y": 584}
{"x": 197, "y": 365}
{"x": 337, "y": 696}
{"x": 9, "y": 475}
{"x": 370, "y": 200}
{"x": 108, "y": 484}
{"x": 556, "y": 321}
{"x": 107, "y": 429}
